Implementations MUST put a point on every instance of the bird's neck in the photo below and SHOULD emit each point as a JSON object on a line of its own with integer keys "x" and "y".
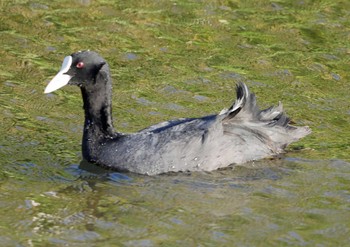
{"x": 98, "y": 109}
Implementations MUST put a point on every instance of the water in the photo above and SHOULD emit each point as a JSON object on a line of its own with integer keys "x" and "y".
{"x": 174, "y": 59}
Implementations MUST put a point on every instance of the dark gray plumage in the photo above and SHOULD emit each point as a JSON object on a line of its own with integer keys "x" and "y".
{"x": 239, "y": 134}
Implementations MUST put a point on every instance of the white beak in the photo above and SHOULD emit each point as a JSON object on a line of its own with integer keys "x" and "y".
{"x": 61, "y": 79}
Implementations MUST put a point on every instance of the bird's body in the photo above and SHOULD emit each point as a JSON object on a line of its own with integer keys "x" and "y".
{"x": 239, "y": 134}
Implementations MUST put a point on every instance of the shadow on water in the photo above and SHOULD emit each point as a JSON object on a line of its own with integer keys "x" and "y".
{"x": 233, "y": 176}
{"x": 241, "y": 199}
{"x": 87, "y": 170}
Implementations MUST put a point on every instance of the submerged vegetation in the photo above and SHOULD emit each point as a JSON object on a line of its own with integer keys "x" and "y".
{"x": 173, "y": 59}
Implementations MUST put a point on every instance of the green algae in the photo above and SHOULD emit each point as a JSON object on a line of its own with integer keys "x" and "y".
{"x": 164, "y": 57}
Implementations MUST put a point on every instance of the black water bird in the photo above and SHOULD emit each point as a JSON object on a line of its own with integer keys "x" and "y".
{"x": 236, "y": 135}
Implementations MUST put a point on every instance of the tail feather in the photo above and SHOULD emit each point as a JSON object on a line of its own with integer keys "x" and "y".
{"x": 245, "y": 109}
{"x": 245, "y": 105}
{"x": 272, "y": 112}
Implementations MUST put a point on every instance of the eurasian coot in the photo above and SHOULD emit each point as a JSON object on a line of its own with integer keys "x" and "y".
{"x": 236, "y": 135}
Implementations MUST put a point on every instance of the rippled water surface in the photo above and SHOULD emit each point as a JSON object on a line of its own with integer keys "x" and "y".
{"x": 174, "y": 59}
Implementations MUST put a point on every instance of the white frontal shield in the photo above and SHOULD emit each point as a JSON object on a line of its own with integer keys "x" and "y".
{"x": 61, "y": 79}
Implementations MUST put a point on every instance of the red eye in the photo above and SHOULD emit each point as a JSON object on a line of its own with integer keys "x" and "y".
{"x": 80, "y": 65}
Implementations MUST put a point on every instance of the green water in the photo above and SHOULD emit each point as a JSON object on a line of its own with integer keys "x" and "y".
{"x": 174, "y": 59}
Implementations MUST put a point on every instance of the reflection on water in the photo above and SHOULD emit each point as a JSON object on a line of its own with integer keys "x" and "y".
{"x": 279, "y": 198}
{"x": 87, "y": 170}
{"x": 174, "y": 59}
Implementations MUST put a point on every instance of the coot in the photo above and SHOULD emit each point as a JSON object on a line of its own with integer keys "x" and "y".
{"x": 236, "y": 135}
